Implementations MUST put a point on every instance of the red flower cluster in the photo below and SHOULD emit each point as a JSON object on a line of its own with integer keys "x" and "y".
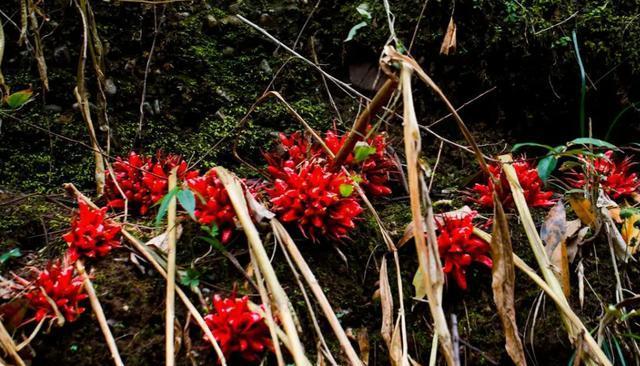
{"x": 212, "y": 204}
{"x": 459, "y": 247}
{"x": 58, "y": 284}
{"x": 529, "y": 181}
{"x": 143, "y": 180}
{"x": 615, "y": 177}
{"x": 242, "y": 334}
{"x": 312, "y": 196}
{"x": 91, "y": 234}
{"x": 373, "y": 170}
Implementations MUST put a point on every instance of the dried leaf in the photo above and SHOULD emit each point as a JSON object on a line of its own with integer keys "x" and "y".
{"x": 583, "y": 209}
{"x": 386, "y": 302}
{"x": 362, "y": 336}
{"x": 574, "y": 242}
{"x": 419, "y": 285}
{"x": 631, "y": 233}
{"x": 554, "y": 232}
{"x": 449, "y": 42}
{"x": 503, "y": 282}
{"x": 161, "y": 241}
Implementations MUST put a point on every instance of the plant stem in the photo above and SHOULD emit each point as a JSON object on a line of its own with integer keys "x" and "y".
{"x": 171, "y": 272}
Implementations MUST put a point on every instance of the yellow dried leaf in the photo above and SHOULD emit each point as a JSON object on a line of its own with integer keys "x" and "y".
{"x": 583, "y": 209}
{"x": 630, "y": 233}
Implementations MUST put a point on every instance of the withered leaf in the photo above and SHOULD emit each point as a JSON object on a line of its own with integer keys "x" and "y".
{"x": 449, "y": 42}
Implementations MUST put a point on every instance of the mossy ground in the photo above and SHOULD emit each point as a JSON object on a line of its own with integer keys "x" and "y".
{"x": 206, "y": 72}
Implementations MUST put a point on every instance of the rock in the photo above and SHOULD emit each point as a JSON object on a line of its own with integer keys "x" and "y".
{"x": 212, "y": 22}
{"x": 183, "y": 15}
{"x": 53, "y": 108}
{"x": 264, "y": 66}
{"x": 228, "y": 51}
{"x": 231, "y": 20}
{"x": 265, "y": 20}
{"x": 234, "y": 8}
{"x": 110, "y": 87}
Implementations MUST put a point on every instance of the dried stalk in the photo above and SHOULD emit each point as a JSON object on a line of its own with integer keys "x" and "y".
{"x": 236, "y": 196}
{"x": 596, "y": 356}
{"x": 312, "y": 282}
{"x": 3, "y": 85}
{"x": 39, "y": 53}
{"x": 171, "y": 272}
{"x": 83, "y": 101}
{"x": 264, "y": 296}
{"x": 97, "y": 310}
{"x": 9, "y": 345}
{"x": 359, "y": 128}
{"x": 429, "y": 260}
{"x": 147, "y": 254}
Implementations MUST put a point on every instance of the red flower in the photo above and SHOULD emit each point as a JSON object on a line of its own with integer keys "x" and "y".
{"x": 459, "y": 247}
{"x": 91, "y": 234}
{"x": 373, "y": 170}
{"x": 241, "y": 333}
{"x": 614, "y": 177}
{"x": 143, "y": 180}
{"x": 529, "y": 181}
{"x": 212, "y": 204}
{"x": 310, "y": 195}
{"x": 58, "y": 284}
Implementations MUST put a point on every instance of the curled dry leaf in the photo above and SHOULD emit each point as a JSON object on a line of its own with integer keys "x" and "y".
{"x": 503, "y": 282}
{"x": 554, "y": 233}
{"x": 631, "y": 233}
{"x": 449, "y": 42}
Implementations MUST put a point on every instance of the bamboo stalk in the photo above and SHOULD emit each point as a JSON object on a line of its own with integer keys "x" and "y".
{"x": 97, "y": 310}
{"x": 360, "y": 126}
{"x": 171, "y": 273}
{"x": 313, "y": 284}
{"x": 429, "y": 262}
{"x": 236, "y": 196}
{"x": 146, "y": 253}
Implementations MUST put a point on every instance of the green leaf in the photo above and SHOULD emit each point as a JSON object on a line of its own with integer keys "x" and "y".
{"x": 346, "y": 190}
{"x": 354, "y": 30}
{"x": 190, "y": 277}
{"x": 18, "y": 99}
{"x": 592, "y": 141}
{"x": 362, "y": 151}
{"x": 530, "y": 144}
{"x": 546, "y": 166}
{"x": 215, "y": 243}
{"x": 13, "y": 253}
{"x": 363, "y": 9}
{"x": 164, "y": 204}
{"x": 357, "y": 178}
{"x": 188, "y": 202}
{"x": 628, "y": 211}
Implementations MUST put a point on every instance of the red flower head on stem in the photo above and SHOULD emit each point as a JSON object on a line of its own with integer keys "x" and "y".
{"x": 92, "y": 235}
{"x": 459, "y": 247}
{"x": 143, "y": 180}
{"x": 529, "y": 181}
{"x": 213, "y": 205}
{"x": 57, "y": 284}
{"x": 318, "y": 200}
{"x": 374, "y": 165}
{"x": 615, "y": 177}
{"x": 242, "y": 334}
